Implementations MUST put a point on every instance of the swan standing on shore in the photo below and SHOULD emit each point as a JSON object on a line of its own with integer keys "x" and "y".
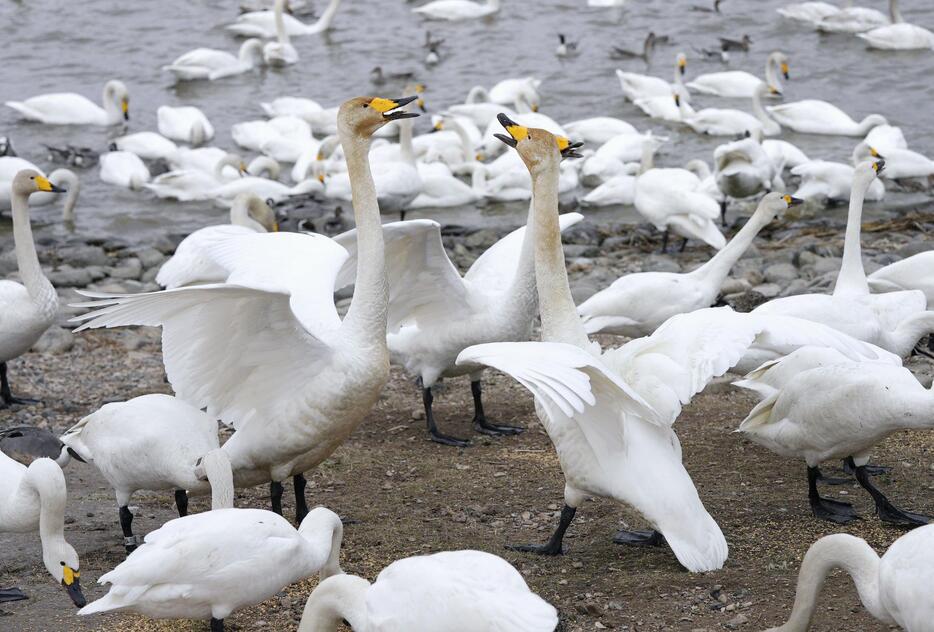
{"x": 452, "y": 591}
{"x": 894, "y": 589}
{"x": 27, "y": 310}
{"x": 68, "y": 108}
{"x": 211, "y": 64}
{"x": 291, "y": 376}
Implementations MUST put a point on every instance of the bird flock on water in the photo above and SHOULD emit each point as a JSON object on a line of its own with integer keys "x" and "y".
{"x": 252, "y": 337}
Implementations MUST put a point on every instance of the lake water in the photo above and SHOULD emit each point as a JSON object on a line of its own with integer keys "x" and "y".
{"x": 78, "y": 46}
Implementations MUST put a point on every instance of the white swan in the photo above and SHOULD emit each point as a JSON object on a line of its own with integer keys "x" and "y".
{"x": 313, "y": 386}
{"x": 912, "y": 273}
{"x": 892, "y": 589}
{"x": 664, "y": 108}
{"x": 33, "y": 499}
{"x": 210, "y": 63}
{"x": 516, "y": 92}
{"x": 225, "y": 194}
{"x": 637, "y": 304}
{"x": 441, "y": 189}
{"x": 743, "y": 169}
{"x": 454, "y": 10}
{"x": 637, "y": 86}
{"x": 193, "y": 183}
{"x": 828, "y": 181}
{"x": 281, "y": 52}
{"x": 192, "y": 263}
{"x": 886, "y": 137}
{"x": 61, "y": 178}
{"x": 186, "y": 123}
{"x": 899, "y": 36}
{"x": 819, "y": 117}
{"x": 27, "y": 310}
{"x": 153, "y": 443}
{"x": 598, "y": 129}
{"x": 783, "y": 154}
{"x": 618, "y": 189}
{"x": 858, "y": 19}
{"x": 726, "y": 122}
{"x": 252, "y": 554}
{"x": 480, "y": 592}
{"x": 808, "y": 11}
{"x": 285, "y": 138}
{"x": 123, "y": 169}
{"x": 741, "y": 84}
{"x": 262, "y": 24}
{"x": 899, "y": 163}
{"x": 146, "y": 145}
{"x": 68, "y": 108}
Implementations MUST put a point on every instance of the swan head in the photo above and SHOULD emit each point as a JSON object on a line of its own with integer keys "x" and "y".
{"x": 262, "y": 212}
{"x": 865, "y": 172}
{"x": 682, "y": 61}
{"x": 538, "y": 148}
{"x": 61, "y": 560}
{"x": 29, "y": 181}
{"x": 775, "y": 204}
{"x": 116, "y": 92}
{"x": 865, "y": 151}
{"x": 365, "y": 115}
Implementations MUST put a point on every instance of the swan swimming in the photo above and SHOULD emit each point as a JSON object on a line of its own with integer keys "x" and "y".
{"x": 68, "y": 108}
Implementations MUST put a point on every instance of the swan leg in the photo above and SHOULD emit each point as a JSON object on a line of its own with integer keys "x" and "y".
{"x": 401, "y": 216}
{"x": 828, "y": 480}
{"x": 275, "y": 496}
{"x": 824, "y": 508}
{"x": 181, "y": 502}
{"x": 437, "y": 437}
{"x": 130, "y": 541}
{"x": 301, "y": 505}
{"x": 6, "y": 396}
{"x": 723, "y": 212}
{"x": 217, "y": 625}
{"x": 888, "y": 512}
{"x": 479, "y": 418}
{"x": 665, "y": 241}
{"x": 872, "y": 470}
{"x": 553, "y": 546}
{"x": 684, "y": 244}
{"x": 639, "y": 538}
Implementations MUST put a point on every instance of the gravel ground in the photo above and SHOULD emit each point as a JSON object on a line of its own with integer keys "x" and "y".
{"x": 409, "y": 496}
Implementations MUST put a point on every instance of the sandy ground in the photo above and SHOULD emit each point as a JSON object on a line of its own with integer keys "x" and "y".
{"x": 409, "y": 496}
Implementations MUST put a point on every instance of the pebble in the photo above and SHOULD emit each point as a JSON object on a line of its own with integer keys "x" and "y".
{"x": 768, "y": 290}
{"x": 55, "y": 340}
{"x": 737, "y": 621}
{"x": 780, "y": 273}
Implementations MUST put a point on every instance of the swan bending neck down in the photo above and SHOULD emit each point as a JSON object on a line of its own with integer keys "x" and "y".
{"x": 894, "y": 589}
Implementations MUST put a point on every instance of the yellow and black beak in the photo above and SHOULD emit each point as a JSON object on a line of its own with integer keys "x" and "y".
{"x": 774, "y": 90}
{"x": 875, "y": 154}
{"x": 677, "y": 99}
{"x": 792, "y": 201}
{"x": 43, "y": 184}
{"x": 125, "y": 107}
{"x": 567, "y": 148}
{"x": 879, "y": 165}
{"x": 516, "y": 132}
{"x": 389, "y": 108}
{"x": 785, "y": 72}
{"x": 682, "y": 66}
{"x": 71, "y": 581}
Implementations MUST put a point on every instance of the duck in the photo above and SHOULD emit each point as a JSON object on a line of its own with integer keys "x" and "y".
{"x": 253, "y": 554}
{"x": 727, "y": 44}
{"x": 828, "y": 182}
{"x": 146, "y": 145}
{"x": 635, "y": 305}
{"x": 262, "y": 24}
{"x": 313, "y": 384}
{"x": 64, "y": 179}
{"x": 725, "y": 122}
{"x": 858, "y": 19}
{"x": 124, "y": 169}
{"x": 704, "y": 9}
{"x": 480, "y": 592}
{"x": 191, "y": 264}
{"x": 636, "y": 86}
{"x": 212, "y": 64}
{"x": 68, "y": 108}
{"x": 280, "y": 52}
{"x": 890, "y": 588}
{"x": 812, "y": 116}
{"x": 566, "y": 48}
{"x": 741, "y": 84}
{"x": 30, "y": 308}
{"x": 648, "y": 45}
{"x": 456, "y": 10}
{"x": 33, "y": 499}
{"x": 153, "y": 442}
{"x": 433, "y": 57}
{"x": 911, "y": 273}
{"x": 812, "y": 12}
{"x": 187, "y": 124}
{"x": 25, "y": 444}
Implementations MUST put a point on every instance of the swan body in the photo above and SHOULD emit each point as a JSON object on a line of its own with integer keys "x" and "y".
{"x": 852, "y": 20}
{"x": 252, "y": 554}
{"x": 211, "y": 64}
{"x": 912, "y": 273}
{"x": 743, "y": 169}
{"x": 672, "y": 198}
{"x": 819, "y": 117}
{"x": 68, "y": 108}
{"x": 808, "y": 11}
{"x": 281, "y": 52}
{"x": 902, "y": 36}
{"x": 515, "y": 91}
{"x": 444, "y": 190}
{"x": 892, "y": 588}
{"x": 727, "y": 122}
{"x": 599, "y": 129}
{"x": 33, "y": 499}
{"x": 187, "y": 124}
{"x": 147, "y": 145}
{"x": 783, "y": 154}
{"x": 620, "y": 189}
{"x": 262, "y": 24}
{"x": 267, "y": 189}
{"x": 899, "y": 163}
{"x": 455, "y": 10}
{"x": 284, "y": 138}
{"x": 886, "y": 137}
{"x": 638, "y": 86}
{"x": 300, "y": 107}
{"x": 124, "y": 169}
{"x": 452, "y": 591}
{"x": 741, "y": 84}
{"x": 826, "y": 180}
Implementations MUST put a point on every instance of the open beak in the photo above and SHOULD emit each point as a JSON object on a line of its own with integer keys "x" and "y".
{"x": 72, "y": 584}
{"x": 389, "y": 108}
{"x": 879, "y": 165}
{"x": 567, "y": 148}
{"x": 125, "y": 106}
{"x": 420, "y": 102}
{"x": 516, "y": 132}
{"x": 792, "y": 201}
{"x": 45, "y": 185}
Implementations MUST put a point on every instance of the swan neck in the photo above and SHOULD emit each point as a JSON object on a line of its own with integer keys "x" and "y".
{"x": 324, "y": 22}
{"x": 560, "y": 322}
{"x": 336, "y": 598}
{"x": 478, "y": 177}
{"x": 367, "y": 314}
{"x": 852, "y": 277}
{"x": 111, "y": 107}
{"x": 240, "y": 215}
{"x": 48, "y": 482}
{"x": 27, "y": 260}
{"x": 281, "y": 33}
{"x": 648, "y": 157}
{"x": 219, "y": 473}
{"x": 466, "y": 148}
{"x": 894, "y": 14}
{"x": 407, "y": 151}
{"x": 771, "y": 77}
{"x": 67, "y": 179}
{"x": 522, "y": 293}
{"x": 760, "y": 112}
{"x": 718, "y": 267}
{"x": 851, "y": 554}
{"x": 323, "y": 532}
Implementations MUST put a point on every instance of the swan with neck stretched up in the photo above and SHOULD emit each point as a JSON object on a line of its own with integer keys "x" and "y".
{"x": 456, "y": 10}
{"x": 741, "y": 84}
{"x": 153, "y": 443}
{"x": 62, "y": 178}
{"x": 33, "y": 498}
{"x": 262, "y": 24}
{"x": 637, "y": 304}
{"x": 280, "y": 52}
{"x": 212, "y": 64}
{"x": 27, "y": 310}
{"x": 452, "y": 591}
{"x": 812, "y": 116}
{"x": 68, "y": 108}
{"x": 893, "y": 588}
{"x": 270, "y": 355}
